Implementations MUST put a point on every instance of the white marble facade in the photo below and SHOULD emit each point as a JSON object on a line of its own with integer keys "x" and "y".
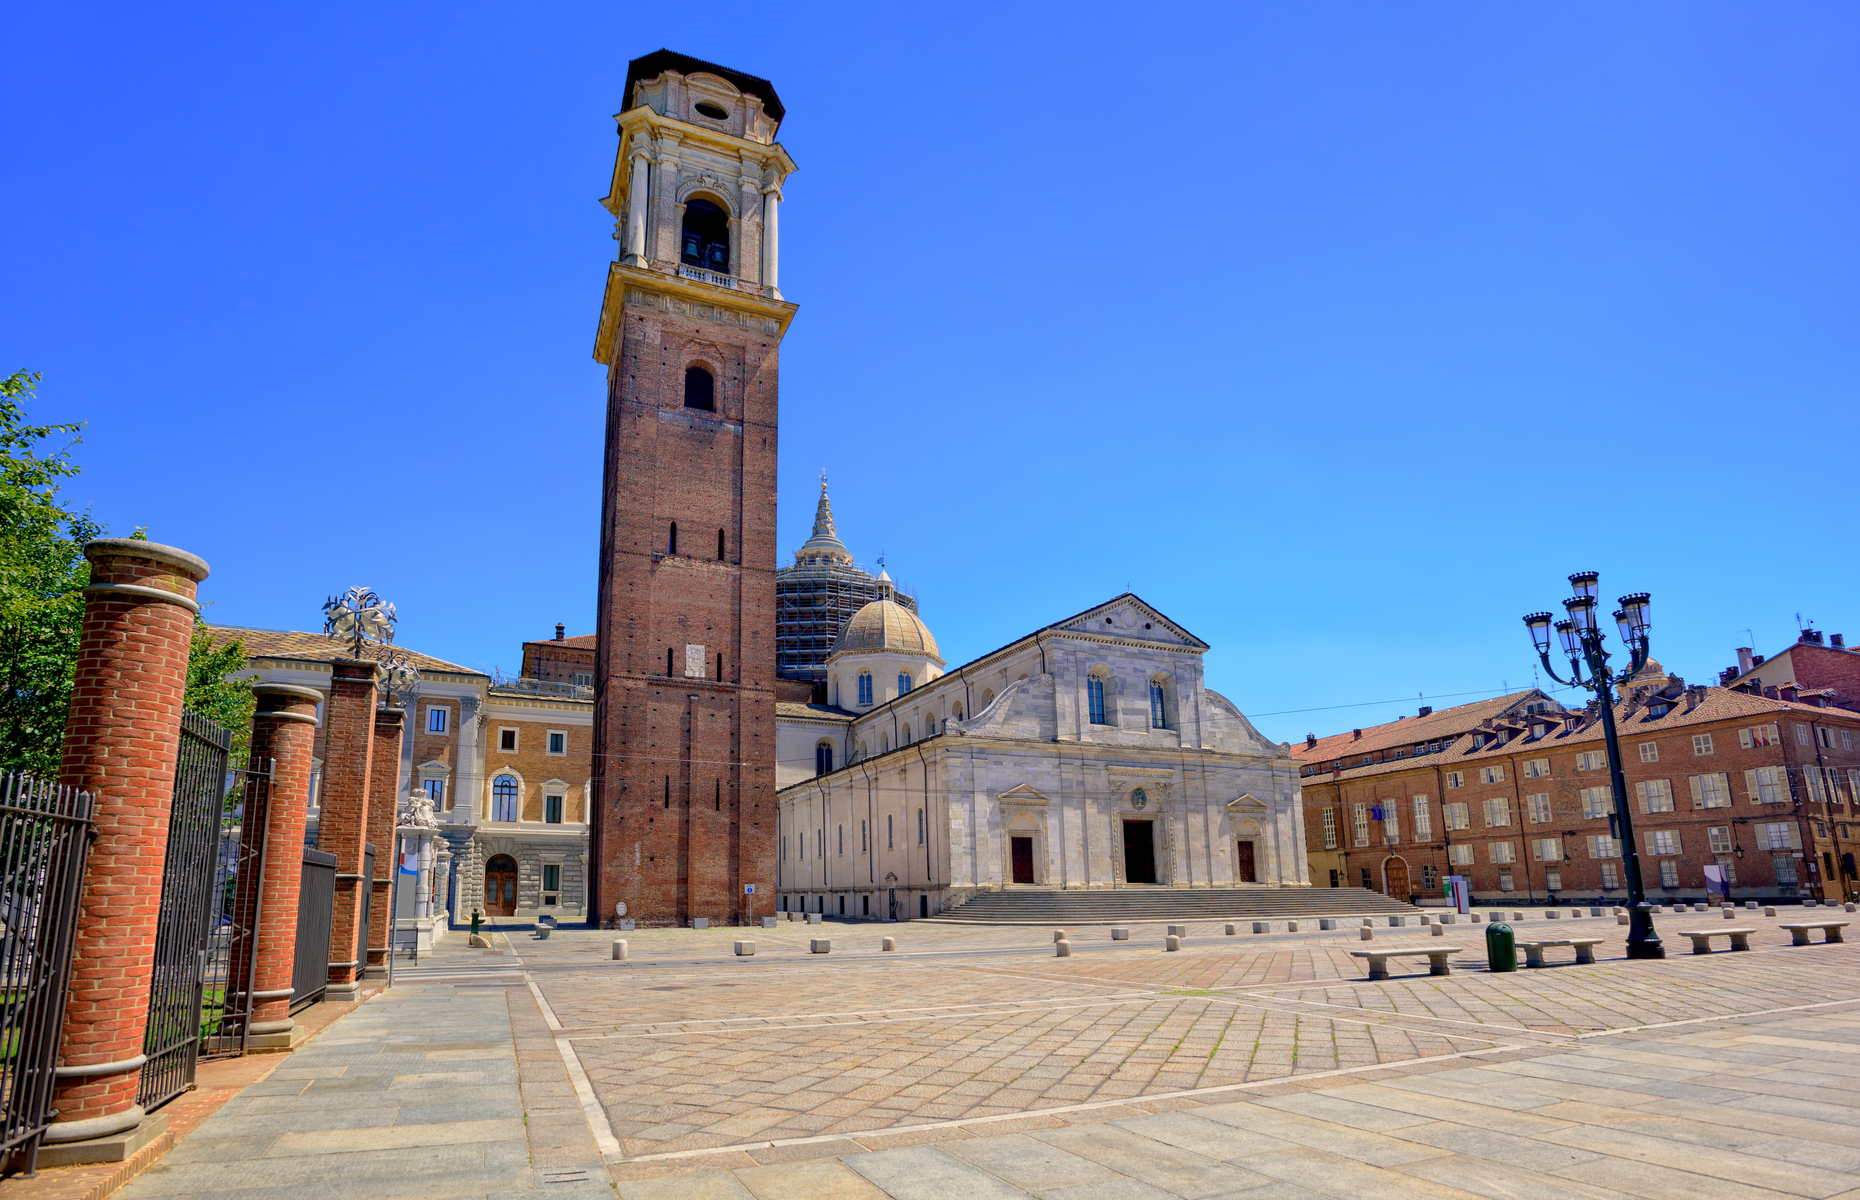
{"x": 931, "y": 789}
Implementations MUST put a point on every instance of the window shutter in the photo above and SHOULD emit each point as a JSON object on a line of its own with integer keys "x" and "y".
{"x": 1640, "y": 793}
{"x": 1795, "y": 835}
{"x": 1647, "y": 838}
{"x": 1750, "y": 782}
{"x": 1679, "y": 841}
{"x": 1698, "y": 792}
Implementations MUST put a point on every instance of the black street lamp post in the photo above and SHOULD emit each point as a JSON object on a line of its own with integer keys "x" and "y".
{"x": 1581, "y": 638}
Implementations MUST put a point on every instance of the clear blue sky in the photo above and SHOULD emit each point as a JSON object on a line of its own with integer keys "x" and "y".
{"x": 1341, "y": 333}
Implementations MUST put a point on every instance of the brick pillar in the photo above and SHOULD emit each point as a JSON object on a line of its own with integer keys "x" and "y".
{"x": 120, "y": 745}
{"x": 348, "y": 756}
{"x": 284, "y": 730}
{"x": 383, "y": 808}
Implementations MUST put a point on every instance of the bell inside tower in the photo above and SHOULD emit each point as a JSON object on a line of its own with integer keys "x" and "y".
{"x": 707, "y": 236}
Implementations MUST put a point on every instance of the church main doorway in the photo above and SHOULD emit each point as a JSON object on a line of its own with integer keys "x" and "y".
{"x": 1023, "y": 859}
{"x": 1244, "y": 869}
{"x": 1139, "y": 853}
{"x": 500, "y": 886}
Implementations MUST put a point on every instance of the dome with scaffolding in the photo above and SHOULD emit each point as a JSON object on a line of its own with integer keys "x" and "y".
{"x": 817, "y": 596}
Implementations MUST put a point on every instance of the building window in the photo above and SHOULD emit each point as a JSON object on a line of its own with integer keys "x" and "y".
{"x": 1423, "y": 824}
{"x": 823, "y": 758}
{"x": 1491, "y": 774}
{"x": 1761, "y": 735}
{"x": 1159, "y": 715}
{"x": 552, "y": 810}
{"x": 865, "y": 687}
{"x": 904, "y": 735}
{"x": 1094, "y": 699}
{"x": 1455, "y": 815}
{"x": 1604, "y": 847}
{"x": 1662, "y": 841}
{"x": 1597, "y": 802}
{"x": 1498, "y": 811}
{"x": 1669, "y": 873}
{"x": 504, "y": 798}
{"x": 888, "y": 841}
{"x": 552, "y": 877}
{"x": 436, "y": 720}
{"x": 920, "y": 827}
{"x": 904, "y": 684}
{"x": 1359, "y": 823}
{"x": 436, "y": 792}
{"x": 1711, "y": 791}
{"x": 558, "y": 742}
{"x": 1655, "y": 795}
{"x": 1720, "y": 838}
{"x": 1701, "y": 744}
{"x": 720, "y": 545}
{"x": 1553, "y": 881}
{"x": 862, "y": 845}
{"x": 1537, "y": 808}
{"x": 1780, "y": 835}
{"x": 1767, "y": 785}
{"x": 706, "y": 232}
{"x": 840, "y": 838}
{"x": 1650, "y": 752}
{"x": 1391, "y": 822}
{"x": 1505, "y": 882}
{"x": 1801, "y": 735}
{"x": 1501, "y": 852}
{"x": 1547, "y": 849}
{"x": 1367, "y": 885}
{"x": 507, "y": 740}
{"x": 584, "y": 679}
{"x": 1591, "y": 760}
{"x": 1456, "y": 779}
{"x": 1460, "y": 855}
{"x": 1785, "y": 870}
{"x": 671, "y": 547}
{"x": 1428, "y": 878}
{"x": 1536, "y": 768}
{"x": 1330, "y": 829}
{"x": 1611, "y": 875}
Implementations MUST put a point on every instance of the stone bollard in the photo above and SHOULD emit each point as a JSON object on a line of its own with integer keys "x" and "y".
{"x": 768, "y": 922}
{"x": 744, "y": 949}
{"x": 1232, "y": 930}
{"x": 1437, "y": 930}
{"x": 1367, "y": 933}
{"x": 1291, "y": 927}
{"x": 1751, "y": 905}
{"x": 813, "y": 918}
{"x": 1178, "y": 930}
{"x": 888, "y": 944}
{"x": 1397, "y": 922}
{"x": 700, "y": 922}
{"x": 1172, "y": 942}
{"x": 1551, "y": 914}
{"x": 1262, "y": 927}
{"x": 1595, "y": 912}
{"x": 1769, "y": 910}
{"x": 1327, "y": 922}
{"x": 1517, "y": 916}
{"x": 1059, "y": 935}
{"x": 1851, "y": 907}
{"x": 1449, "y": 918}
{"x": 1120, "y": 935}
{"x": 620, "y": 950}
{"x": 284, "y": 731}
{"x": 1622, "y": 919}
{"x": 1370, "y": 921}
{"x": 819, "y": 945}
{"x": 1619, "y": 910}
{"x": 1730, "y": 914}
{"x": 1495, "y": 918}
{"x": 1811, "y": 902}
{"x": 1658, "y": 908}
{"x": 1475, "y": 918}
{"x": 1062, "y": 949}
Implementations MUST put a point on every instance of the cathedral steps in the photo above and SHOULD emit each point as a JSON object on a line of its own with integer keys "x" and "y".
{"x": 1052, "y": 906}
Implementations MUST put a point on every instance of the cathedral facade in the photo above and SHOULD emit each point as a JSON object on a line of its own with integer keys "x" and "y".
{"x": 1085, "y": 755}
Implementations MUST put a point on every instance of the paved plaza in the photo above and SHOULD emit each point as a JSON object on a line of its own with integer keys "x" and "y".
{"x": 972, "y": 1062}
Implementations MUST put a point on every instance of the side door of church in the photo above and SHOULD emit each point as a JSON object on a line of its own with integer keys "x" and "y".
{"x": 1023, "y": 859}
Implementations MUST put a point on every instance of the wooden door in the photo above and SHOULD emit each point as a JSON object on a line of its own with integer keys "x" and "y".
{"x": 1244, "y": 869}
{"x": 1023, "y": 859}
{"x": 500, "y": 887}
{"x": 1395, "y": 879}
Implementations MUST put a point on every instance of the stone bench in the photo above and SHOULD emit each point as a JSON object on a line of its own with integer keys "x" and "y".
{"x": 1701, "y": 938}
{"x": 1436, "y": 956}
{"x": 1830, "y": 930}
{"x": 1534, "y": 950}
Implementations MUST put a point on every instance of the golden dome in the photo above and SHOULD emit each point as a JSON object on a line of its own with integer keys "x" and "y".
{"x": 885, "y": 624}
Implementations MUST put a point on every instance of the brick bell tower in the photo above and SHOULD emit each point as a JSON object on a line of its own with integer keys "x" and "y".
{"x": 683, "y": 819}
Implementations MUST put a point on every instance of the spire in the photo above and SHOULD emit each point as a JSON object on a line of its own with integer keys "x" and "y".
{"x": 825, "y": 543}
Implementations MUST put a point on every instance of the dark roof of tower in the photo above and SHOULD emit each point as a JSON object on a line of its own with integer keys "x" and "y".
{"x": 650, "y": 66}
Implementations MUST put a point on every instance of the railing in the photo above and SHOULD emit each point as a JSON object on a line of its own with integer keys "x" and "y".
{"x": 45, "y": 834}
{"x": 316, "y": 902}
{"x": 542, "y": 687}
{"x": 705, "y": 275}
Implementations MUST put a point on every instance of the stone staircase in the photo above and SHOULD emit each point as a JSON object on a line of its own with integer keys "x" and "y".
{"x": 1051, "y": 906}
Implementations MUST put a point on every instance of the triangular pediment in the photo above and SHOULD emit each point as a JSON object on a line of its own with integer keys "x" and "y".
{"x": 435, "y": 767}
{"x": 1131, "y": 618}
{"x": 1022, "y": 794}
{"x": 1246, "y": 803}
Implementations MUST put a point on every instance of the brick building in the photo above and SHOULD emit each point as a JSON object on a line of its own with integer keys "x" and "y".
{"x": 683, "y": 821}
{"x": 1762, "y": 787}
{"x": 1815, "y": 666}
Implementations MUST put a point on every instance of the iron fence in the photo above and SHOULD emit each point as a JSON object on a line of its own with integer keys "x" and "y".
{"x": 45, "y": 835}
{"x": 316, "y": 903}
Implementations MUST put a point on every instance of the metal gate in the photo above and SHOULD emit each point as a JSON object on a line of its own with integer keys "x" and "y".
{"x": 45, "y": 834}
{"x": 364, "y": 902}
{"x": 200, "y": 988}
{"x": 316, "y": 904}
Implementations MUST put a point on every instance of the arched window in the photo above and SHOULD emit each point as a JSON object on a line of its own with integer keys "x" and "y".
{"x": 668, "y": 661}
{"x": 865, "y": 687}
{"x": 823, "y": 758}
{"x": 671, "y": 542}
{"x": 700, "y": 389}
{"x": 1094, "y": 699}
{"x": 1159, "y": 708}
{"x": 904, "y": 737}
{"x": 955, "y": 712}
{"x": 884, "y": 743}
{"x": 720, "y": 545}
{"x": 504, "y": 798}
{"x": 707, "y": 236}
{"x": 904, "y": 683}
{"x": 988, "y": 697}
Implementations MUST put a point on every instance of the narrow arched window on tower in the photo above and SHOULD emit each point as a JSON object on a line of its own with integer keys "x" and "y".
{"x": 668, "y": 660}
{"x": 720, "y": 668}
{"x": 671, "y": 542}
{"x": 823, "y": 758}
{"x": 904, "y": 683}
{"x": 706, "y": 236}
{"x": 700, "y": 389}
{"x": 720, "y": 545}
{"x": 1094, "y": 699}
{"x": 865, "y": 687}
{"x": 1159, "y": 711}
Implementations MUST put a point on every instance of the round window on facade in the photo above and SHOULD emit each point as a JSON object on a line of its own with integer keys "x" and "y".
{"x": 711, "y": 111}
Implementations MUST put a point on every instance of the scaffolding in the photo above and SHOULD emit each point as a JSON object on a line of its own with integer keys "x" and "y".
{"x": 813, "y": 601}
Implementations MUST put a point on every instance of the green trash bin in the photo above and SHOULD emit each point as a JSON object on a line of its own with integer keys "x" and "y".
{"x": 1501, "y": 947}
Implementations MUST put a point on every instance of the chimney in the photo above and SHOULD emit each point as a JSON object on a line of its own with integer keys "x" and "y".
{"x": 1744, "y": 661}
{"x": 1727, "y": 675}
{"x": 1837, "y": 641}
{"x": 1756, "y": 660}
{"x": 1788, "y": 692}
{"x": 1356, "y": 735}
{"x": 1770, "y": 693}
{"x": 1427, "y": 710}
{"x": 1311, "y": 741}
{"x": 561, "y": 631}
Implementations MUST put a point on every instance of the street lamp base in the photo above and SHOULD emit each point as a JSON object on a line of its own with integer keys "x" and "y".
{"x": 1646, "y": 950}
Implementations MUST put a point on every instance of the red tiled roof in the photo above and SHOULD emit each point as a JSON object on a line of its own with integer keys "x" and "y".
{"x": 585, "y": 641}
{"x": 788, "y": 708}
{"x": 1436, "y": 726}
{"x": 316, "y": 647}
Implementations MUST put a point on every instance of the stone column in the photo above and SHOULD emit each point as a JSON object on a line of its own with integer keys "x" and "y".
{"x": 771, "y": 241}
{"x": 348, "y": 757}
{"x": 383, "y": 807}
{"x": 121, "y": 740}
{"x": 639, "y": 154}
{"x": 283, "y": 730}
